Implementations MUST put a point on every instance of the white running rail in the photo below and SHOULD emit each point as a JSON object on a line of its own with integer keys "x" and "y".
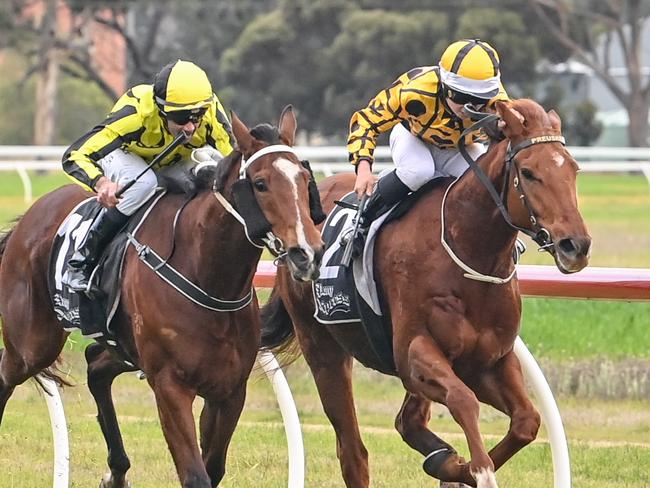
{"x": 332, "y": 159}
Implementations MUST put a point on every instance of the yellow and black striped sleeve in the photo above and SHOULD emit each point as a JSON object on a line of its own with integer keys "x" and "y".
{"x": 220, "y": 135}
{"x": 122, "y": 126}
{"x": 381, "y": 115}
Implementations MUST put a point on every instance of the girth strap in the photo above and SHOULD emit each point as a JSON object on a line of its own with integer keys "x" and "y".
{"x": 182, "y": 284}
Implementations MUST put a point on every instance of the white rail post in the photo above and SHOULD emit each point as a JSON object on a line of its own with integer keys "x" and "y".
{"x": 550, "y": 415}
{"x": 289, "y": 416}
{"x": 59, "y": 433}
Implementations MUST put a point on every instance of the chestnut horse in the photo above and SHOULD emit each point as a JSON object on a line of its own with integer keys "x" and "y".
{"x": 184, "y": 349}
{"x": 454, "y": 320}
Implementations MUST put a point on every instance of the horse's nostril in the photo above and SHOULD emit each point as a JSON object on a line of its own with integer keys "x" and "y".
{"x": 567, "y": 246}
{"x": 298, "y": 256}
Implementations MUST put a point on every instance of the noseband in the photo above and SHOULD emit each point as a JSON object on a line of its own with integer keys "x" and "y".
{"x": 538, "y": 233}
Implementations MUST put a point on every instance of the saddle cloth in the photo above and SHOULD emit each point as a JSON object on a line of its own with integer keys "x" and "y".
{"x": 76, "y": 310}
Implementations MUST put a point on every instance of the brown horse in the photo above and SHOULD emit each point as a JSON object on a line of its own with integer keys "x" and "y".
{"x": 453, "y": 326}
{"x": 184, "y": 349}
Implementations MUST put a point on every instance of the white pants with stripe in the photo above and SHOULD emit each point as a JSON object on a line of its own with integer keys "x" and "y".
{"x": 122, "y": 166}
{"x": 418, "y": 162}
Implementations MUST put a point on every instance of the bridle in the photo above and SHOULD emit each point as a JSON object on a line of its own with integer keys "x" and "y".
{"x": 538, "y": 233}
{"x": 269, "y": 241}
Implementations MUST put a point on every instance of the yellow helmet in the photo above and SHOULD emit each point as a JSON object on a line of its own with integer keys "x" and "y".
{"x": 182, "y": 85}
{"x": 471, "y": 66}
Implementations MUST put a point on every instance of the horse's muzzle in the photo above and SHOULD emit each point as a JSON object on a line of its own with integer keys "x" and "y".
{"x": 572, "y": 253}
{"x": 304, "y": 264}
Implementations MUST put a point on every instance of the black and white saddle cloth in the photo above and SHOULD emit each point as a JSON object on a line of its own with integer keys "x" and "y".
{"x": 76, "y": 310}
{"x": 350, "y": 296}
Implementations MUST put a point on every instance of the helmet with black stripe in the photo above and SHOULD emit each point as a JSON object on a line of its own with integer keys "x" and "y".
{"x": 470, "y": 67}
{"x": 182, "y": 86}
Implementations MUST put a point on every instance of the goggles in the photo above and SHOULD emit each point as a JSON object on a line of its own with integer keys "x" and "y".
{"x": 182, "y": 117}
{"x": 464, "y": 98}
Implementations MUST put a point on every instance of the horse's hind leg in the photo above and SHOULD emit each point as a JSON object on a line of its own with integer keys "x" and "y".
{"x": 29, "y": 349}
{"x": 332, "y": 370}
{"x": 503, "y": 387}
{"x": 103, "y": 368}
{"x": 411, "y": 422}
{"x": 217, "y": 425}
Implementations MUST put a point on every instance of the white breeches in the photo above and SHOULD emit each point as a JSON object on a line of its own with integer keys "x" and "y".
{"x": 122, "y": 166}
{"x": 418, "y": 162}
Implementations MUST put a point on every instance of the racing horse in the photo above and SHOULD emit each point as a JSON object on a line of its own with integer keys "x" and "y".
{"x": 446, "y": 273}
{"x": 184, "y": 349}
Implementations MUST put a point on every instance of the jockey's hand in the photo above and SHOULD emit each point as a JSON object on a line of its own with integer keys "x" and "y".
{"x": 365, "y": 180}
{"x": 106, "y": 190}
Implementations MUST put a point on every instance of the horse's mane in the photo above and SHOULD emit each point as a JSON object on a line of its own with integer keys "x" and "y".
{"x": 216, "y": 177}
{"x": 533, "y": 113}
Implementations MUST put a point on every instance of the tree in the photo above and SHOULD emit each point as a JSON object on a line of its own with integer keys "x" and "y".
{"x": 581, "y": 25}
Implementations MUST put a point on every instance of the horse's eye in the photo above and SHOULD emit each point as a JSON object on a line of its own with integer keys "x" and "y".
{"x": 260, "y": 185}
{"x": 528, "y": 174}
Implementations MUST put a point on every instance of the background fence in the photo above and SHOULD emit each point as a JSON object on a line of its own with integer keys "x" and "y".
{"x": 332, "y": 159}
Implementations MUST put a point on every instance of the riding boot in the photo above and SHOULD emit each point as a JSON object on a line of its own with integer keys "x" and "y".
{"x": 101, "y": 232}
{"x": 389, "y": 191}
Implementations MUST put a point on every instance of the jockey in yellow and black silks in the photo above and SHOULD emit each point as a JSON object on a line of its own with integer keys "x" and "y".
{"x": 143, "y": 122}
{"x": 424, "y": 111}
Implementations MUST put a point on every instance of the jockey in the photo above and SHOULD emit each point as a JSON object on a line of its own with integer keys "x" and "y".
{"x": 425, "y": 110}
{"x": 143, "y": 122}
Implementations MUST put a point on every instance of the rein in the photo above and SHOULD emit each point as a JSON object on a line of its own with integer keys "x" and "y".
{"x": 540, "y": 235}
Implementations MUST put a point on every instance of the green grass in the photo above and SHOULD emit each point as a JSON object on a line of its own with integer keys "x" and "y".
{"x": 608, "y": 453}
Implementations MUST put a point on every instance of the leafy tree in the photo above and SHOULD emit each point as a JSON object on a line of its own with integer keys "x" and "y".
{"x": 587, "y": 29}
{"x": 365, "y": 60}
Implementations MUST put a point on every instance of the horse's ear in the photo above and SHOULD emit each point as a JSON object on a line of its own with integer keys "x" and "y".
{"x": 512, "y": 122}
{"x": 556, "y": 122}
{"x": 241, "y": 133}
{"x": 288, "y": 125}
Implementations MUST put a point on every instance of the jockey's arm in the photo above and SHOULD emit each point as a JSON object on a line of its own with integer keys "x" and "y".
{"x": 381, "y": 115}
{"x": 220, "y": 137}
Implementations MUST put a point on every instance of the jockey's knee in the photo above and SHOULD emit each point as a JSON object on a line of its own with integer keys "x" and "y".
{"x": 414, "y": 178}
{"x": 139, "y": 193}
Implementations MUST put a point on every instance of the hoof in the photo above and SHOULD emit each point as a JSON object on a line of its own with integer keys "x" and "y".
{"x": 109, "y": 482}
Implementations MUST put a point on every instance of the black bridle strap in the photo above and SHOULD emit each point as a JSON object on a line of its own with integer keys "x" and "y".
{"x": 540, "y": 236}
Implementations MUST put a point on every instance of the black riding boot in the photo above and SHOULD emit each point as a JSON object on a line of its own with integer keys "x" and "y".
{"x": 101, "y": 232}
{"x": 389, "y": 191}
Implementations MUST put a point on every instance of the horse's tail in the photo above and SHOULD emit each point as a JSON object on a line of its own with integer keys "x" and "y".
{"x": 277, "y": 327}
{"x": 54, "y": 374}
{"x": 3, "y": 242}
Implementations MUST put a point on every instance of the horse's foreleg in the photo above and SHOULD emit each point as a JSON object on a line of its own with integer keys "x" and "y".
{"x": 332, "y": 370}
{"x": 174, "y": 402}
{"x": 102, "y": 369}
{"x": 503, "y": 387}
{"x": 431, "y": 375}
{"x": 411, "y": 422}
{"x": 218, "y": 421}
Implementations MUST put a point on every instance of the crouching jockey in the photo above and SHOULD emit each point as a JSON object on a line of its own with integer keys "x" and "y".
{"x": 425, "y": 108}
{"x": 142, "y": 124}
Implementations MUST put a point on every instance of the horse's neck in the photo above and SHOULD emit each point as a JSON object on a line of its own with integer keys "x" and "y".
{"x": 223, "y": 261}
{"x": 477, "y": 228}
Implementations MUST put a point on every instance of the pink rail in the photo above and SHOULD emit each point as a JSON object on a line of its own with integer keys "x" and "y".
{"x": 547, "y": 281}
